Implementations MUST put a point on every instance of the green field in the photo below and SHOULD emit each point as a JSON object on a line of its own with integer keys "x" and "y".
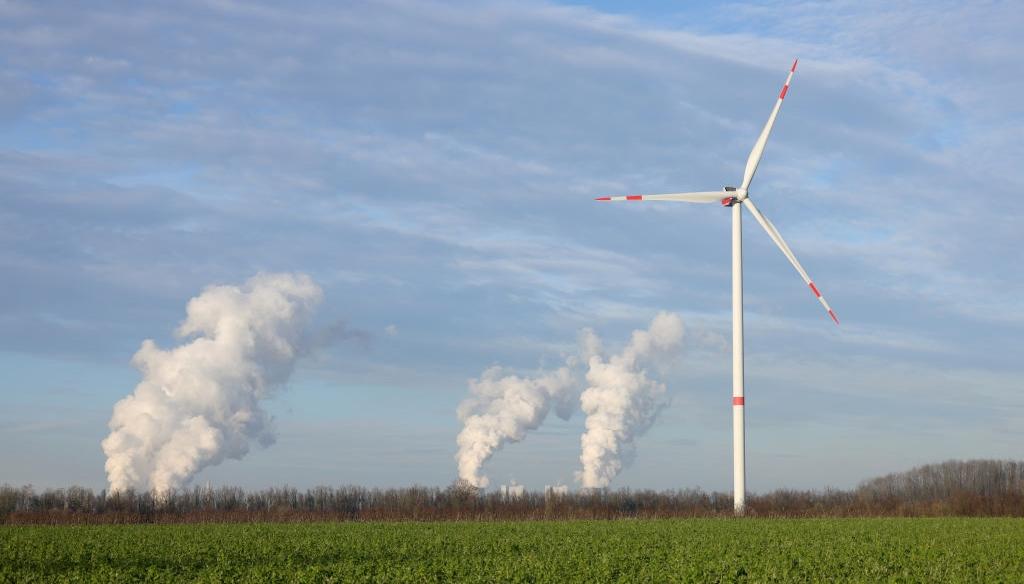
{"x": 690, "y": 550}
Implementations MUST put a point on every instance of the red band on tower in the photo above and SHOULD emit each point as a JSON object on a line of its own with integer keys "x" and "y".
{"x": 737, "y": 401}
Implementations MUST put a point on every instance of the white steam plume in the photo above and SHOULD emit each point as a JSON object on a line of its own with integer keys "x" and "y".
{"x": 621, "y": 401}
{"x": 199, "y": 403}
{"x": 502, "y": 408}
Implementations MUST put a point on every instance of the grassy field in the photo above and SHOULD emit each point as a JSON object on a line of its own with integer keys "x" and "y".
{"x": 690, "y": 550}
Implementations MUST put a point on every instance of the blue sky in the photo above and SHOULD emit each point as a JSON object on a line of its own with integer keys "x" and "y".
{"x": 432, "y": 166}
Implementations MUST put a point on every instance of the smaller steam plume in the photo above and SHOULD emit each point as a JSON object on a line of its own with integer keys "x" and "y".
{"x": 621, "y": 401}
{"x": 199, "y": 403}
{"x": 503, "y": 408}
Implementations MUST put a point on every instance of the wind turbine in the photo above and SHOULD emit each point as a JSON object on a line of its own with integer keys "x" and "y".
{"x": 737, "y": 197}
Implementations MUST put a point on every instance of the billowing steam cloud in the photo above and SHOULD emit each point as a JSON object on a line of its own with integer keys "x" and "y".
{"x": 502, "y": 408}
{"x": 621, "y": 401}
{"x": 199, "y": 403}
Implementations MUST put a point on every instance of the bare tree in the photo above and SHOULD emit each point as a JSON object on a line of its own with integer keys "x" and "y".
{"x": 974, "y": 487}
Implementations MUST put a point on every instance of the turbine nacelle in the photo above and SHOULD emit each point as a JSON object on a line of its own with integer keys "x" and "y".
{"x": 733, "y": 196}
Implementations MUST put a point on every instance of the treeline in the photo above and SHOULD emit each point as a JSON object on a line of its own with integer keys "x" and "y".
{"x": 977, "y": 487}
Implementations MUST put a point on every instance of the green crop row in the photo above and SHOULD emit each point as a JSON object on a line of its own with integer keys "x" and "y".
{"x": 688, "y": 550}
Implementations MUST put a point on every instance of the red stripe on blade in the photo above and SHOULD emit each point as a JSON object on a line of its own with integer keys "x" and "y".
{"x": 794, "y": 65}
{"x": 737, "y": 401}
{"x": 634, "y": 197}
{"x": 833, "y": 315}
{"x": 814, "y": 289}
{"x": 782, "y": 94}
{"x": 603, "y": 199}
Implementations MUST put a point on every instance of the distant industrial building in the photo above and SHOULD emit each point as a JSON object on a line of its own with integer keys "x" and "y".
{"x": 555, "y": 490}
{"x": 512, "y": 491}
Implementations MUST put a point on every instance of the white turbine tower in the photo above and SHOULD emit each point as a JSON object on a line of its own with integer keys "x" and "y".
{"x": 737, "y": 198}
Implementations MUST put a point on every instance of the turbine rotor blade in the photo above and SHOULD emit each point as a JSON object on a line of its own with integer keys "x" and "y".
{"x": 701, "y": 197}
{"x": 777, "y": 238}
{"x": 758, "y": 151}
